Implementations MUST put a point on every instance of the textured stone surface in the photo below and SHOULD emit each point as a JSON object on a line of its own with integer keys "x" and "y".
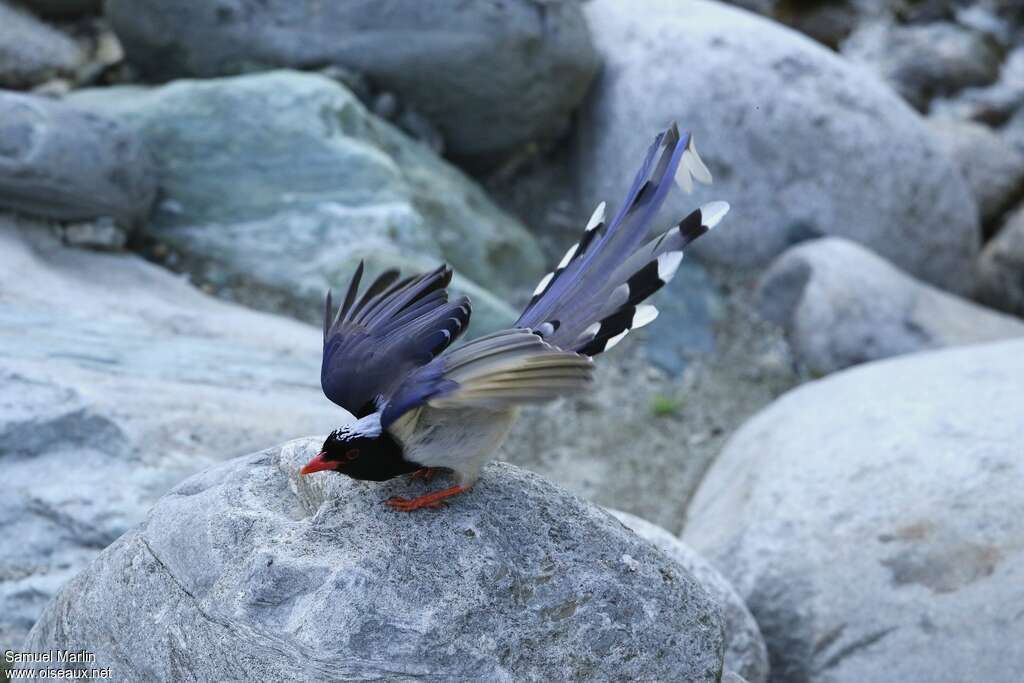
{"x": 841, "y": 305}
{"x": 117, "y": 380}
{"x": 925, "y": 60}
{"x": 831, "y": 151}
{"x": 275, "y": 185}
{"x": 1001, "y": 267}
{"x": 515, "y": 581}
{"x": 993, "y": 169}
{"x": 57, "y": 161}
{"x": 32, "y": 52}
{"x": 873, "y": 521}
{"x": 491, "y": 76}
{"x": 745, "y": 653}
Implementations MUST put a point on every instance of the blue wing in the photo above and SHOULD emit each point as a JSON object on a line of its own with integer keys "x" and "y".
{"x": 374, "y": 341}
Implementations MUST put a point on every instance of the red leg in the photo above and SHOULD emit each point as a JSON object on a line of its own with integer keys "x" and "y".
{"x": 424, "y": 473}
{"x": 431, "y": 500}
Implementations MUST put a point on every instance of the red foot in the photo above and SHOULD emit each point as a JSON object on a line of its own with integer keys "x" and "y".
{"x": 424, "y": 473}
{"x": 431, "y": 500}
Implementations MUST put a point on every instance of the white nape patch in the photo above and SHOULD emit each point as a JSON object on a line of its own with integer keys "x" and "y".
{"x": 597, "y": 217}
{"x": 615, "y": 340}
{"x": 668, "y": 264}
{"x": 568, "y": 256}
{"x": 543, "y": 284}
{"x": 712, "y": 213}
{"x": 696, "y": 166}
{"x": 644, "y": 315}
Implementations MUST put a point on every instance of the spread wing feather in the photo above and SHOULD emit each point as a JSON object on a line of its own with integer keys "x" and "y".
{"x": 585, "y": 306}
{"x": 374, "y": 341}
{"x": 504, "y": 369}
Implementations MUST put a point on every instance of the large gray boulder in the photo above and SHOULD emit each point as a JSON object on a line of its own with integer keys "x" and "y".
{"x": 745, "y": 652}
{"x": 117, "y": 381}
{"x": 841, "y": 305}
{"x": 873, "y": 522}
{"x": 1001, "y": 267}
{"x": 32, "y": 52}
{"x": 260, "y": 574}
{"x": 490, "y": 76}
{"x": 800, "y": 142}
{"x": 59, "y": 162}
{"x": 275, "y": 185}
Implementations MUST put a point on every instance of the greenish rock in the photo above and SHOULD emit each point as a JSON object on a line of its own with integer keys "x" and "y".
{"x": 275, "y": 185}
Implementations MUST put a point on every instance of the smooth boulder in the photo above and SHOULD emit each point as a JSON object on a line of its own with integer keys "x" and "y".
{"x": 873, "y": 522}
{"x": 841, "y": 305}
{"x": 57, "y": 161}
{"x": 491, "y": 76}
{"x": 801, "y": 143}
{"x": 515, "y": 580}
{"x": 275, "y": 185}
{"x": 32, "y": 52}
{"x": 745, "y": 653}
{"x": 117, "y": 381}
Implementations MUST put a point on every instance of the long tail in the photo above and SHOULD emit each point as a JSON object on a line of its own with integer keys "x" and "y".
{"x": 592, "y": 299}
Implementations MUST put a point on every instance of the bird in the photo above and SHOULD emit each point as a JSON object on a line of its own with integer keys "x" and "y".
{"x": 422, "y": 404}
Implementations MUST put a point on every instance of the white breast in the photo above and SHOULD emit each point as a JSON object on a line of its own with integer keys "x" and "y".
{"x": 461, "y": 439}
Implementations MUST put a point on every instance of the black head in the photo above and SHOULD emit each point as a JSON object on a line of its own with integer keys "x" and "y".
{"x": 359, "y": 456}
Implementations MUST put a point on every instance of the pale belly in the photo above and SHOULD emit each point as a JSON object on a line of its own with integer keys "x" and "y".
{"x": 461, "y": 439}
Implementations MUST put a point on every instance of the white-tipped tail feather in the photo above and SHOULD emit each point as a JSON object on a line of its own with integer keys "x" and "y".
{"x": 692, "y": 167}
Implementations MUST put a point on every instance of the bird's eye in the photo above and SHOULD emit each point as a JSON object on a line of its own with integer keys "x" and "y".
{"x": 352, "y": 454}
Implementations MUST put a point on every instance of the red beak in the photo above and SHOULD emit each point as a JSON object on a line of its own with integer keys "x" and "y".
{"x": 317, "y": 464}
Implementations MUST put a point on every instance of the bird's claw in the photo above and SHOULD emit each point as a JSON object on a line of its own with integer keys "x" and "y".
{"x": 433, "y": 500}
{"x": 424, "y": 473}
{"x": 407, "y": 505}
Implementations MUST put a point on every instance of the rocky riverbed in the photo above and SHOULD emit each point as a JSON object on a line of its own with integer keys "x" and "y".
{"x": 815, "y": 452}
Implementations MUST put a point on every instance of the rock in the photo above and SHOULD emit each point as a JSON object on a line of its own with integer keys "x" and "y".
{"x": 992, "y": 104}
{"x": 1013, "y": 132}
{"x": 841, "y": 305}
{"x": 491, "y": 76}
{"x": 745, "y": 653}
{"x": 1001, "y": 267}
{"x": 994, "y": 170}
{"x": 826, "y": 22}
{"x": 873, "y": 522}
{"x": 733, "y": 677}
{"x": 923, "y": 61}
{"x": 32, "y": 52}
{"x": 59, "y": 162}
{"x": 516, "y": 580}
{"x": 688, "y": 307}
{"x": 275, "y": 185}
{"x": 118, "y": 380}
{"x": 834, "y": 153}
{"x": 666, "y": 430}
{"x": 102, "y": 234}
{"x": 64, "y": 9}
